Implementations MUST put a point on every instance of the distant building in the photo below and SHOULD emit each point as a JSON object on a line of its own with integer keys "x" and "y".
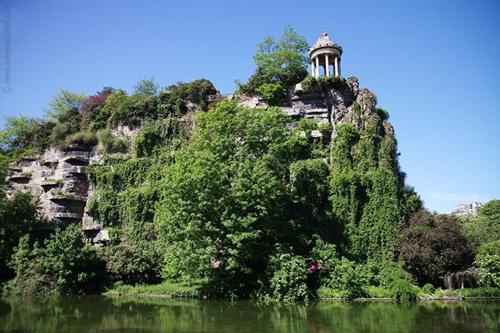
{"x": 466, "y": 209}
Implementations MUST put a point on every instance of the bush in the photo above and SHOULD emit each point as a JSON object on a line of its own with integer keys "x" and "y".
{"x": 272, "y": 92}
{"x": 86, "y": 138}
{"x": 389, "y": 274}
{"x": 175, "y": 290}
{"x": 288, "y": 277}
{"x": 309, "y": 85}
{"x": 428, "y": 289}
{"x": 488, "y": 264}
{"x": 332, "y": 82}
{"x": 133, "y": 262}
{"x": 110, "y": 143}
{"x": 174, "y": 99}
{"x": 64, "y": 265}
{"x": 157, "y": 137}
{"x": 345, "y": 279}
{"x": 403, "y": 291}
{"x": 17, "y": 218}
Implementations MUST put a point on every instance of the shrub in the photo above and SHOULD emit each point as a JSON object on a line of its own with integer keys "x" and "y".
{"x": 111, "y": 143}
{"x": 309, "y": 85}
{"x": 133, "y": 262}
{"x": 488, "y": 264}
{"x": 174, "y": 99}
{"x": 86, "y": 138}
{"x": 272, "y": 92}
{"x": 345, "y": 279}
{"x": 332, "y": 82}
{"x": 64, "y": 265}
{"x": 17, "y": 218}
{"x": 153, "y": 139}
{"x": 428, "y": 289}
{"x": 288, "y": 277}
{"x": 389, "y": 274}
{"x": 403, "y": 291}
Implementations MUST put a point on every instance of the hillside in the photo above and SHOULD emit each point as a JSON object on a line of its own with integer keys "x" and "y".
{"x": 289, "y": 189}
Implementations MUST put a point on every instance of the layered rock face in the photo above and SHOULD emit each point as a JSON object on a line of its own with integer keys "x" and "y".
{"x": 57, "y": 181}
{"x": 350, "y": 104}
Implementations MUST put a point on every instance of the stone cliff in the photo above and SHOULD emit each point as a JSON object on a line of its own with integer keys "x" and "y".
{"x": 58, "y": 181}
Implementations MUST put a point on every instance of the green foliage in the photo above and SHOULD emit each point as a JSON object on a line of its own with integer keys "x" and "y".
{"x": 488, "y": 264}
{"x": 428, "y": 289}
{"x": 25, "y": 136}
{"x": 331, "y": 82}
{"x": 344, "y": 280}
{"x": 64, "y": 113}
{"x": 147, "y": 87}
{"x": 85, "y": 138}
{"x": 64, "y": 265}
{"x": 65, "y": 106}
{"x": 133, "y": 261}
{"x": 288, "y": 276}
{"x": 403, "y": 291}
{"x": 111, "y": 143}
{"x": 17, "y": 218}
{"x": 485, "y": 227}
{"x": 282, "y": 61}
{"x": 311, "y": 84}
{"x": 157, "y": 137}
{"x": 224, "y": 200}
{"x": 174, "y": 99}
{"x": 175, "y": 290}
{"x": 272, "y": 92}
{"x": 432, "y": 245}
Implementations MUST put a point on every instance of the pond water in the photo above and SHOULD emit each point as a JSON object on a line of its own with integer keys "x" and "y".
{"x": 103, "y": 314}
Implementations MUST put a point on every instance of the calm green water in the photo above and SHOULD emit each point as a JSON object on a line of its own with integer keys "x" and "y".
{"x": 101, "y": 314}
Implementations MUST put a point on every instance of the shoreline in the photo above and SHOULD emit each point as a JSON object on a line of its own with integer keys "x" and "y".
{"x": 323, "y": 299}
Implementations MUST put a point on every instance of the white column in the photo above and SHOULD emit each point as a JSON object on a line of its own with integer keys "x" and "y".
{"x": 336, "y": 66}
{"x": 339, "y": 68}
{"x": 327, "y": 66}
{"x": 317, "y": 66}
{"x": 312, "y": 67}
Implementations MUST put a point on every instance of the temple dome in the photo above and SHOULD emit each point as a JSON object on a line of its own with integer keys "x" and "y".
{"x": 324, "y": 41}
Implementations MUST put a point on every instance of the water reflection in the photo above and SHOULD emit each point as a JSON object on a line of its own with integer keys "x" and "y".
{"x": 101, "y": 314}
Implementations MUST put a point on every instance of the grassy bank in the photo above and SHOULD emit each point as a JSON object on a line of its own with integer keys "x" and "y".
{"x": 182, "y": 290}
{"x": 165, "y": 289}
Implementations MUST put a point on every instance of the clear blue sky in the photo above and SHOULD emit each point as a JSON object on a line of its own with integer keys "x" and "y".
{"x": 434, "y": 65}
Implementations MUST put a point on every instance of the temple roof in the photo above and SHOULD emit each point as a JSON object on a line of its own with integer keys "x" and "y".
{"x": 324, "y": 41}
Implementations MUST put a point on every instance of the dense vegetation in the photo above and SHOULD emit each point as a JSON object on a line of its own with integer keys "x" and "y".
{"x": 243, "y": 206}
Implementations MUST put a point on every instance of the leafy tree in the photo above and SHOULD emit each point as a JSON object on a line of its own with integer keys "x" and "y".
{"x": 432, "y": 245}
{"x": 224, "y": 200}
{"x": 65, "y": 105}
{"x": 282, "y": 61}
{"x": 23, "y": 135}
{"x": 147, "y": 87}
{"x": 488, "y": 264}
{"x": 64, "y": 265}
{"x": 485, "y": 227}
{"x": 17, "y": 218}
{"x": 93, "y": 112}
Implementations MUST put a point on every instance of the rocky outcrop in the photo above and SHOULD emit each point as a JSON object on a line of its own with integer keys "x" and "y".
{"x": 336, "y": 106}
{"x": 58, "y": 181}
